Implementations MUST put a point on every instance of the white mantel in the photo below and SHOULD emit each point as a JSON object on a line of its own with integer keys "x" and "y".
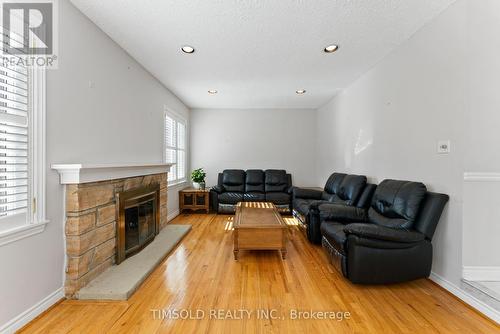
{"x": 84, "y": 173}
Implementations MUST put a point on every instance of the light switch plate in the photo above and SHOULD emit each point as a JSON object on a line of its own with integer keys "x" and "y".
{"x": 444, "y": 147}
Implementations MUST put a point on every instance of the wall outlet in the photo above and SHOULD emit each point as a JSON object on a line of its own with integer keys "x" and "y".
{"x": 443, "y": 147}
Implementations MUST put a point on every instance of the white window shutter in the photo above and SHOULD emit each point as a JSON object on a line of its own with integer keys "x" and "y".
{"x": 14, "y": 143}
{"x": 175, "y": 148}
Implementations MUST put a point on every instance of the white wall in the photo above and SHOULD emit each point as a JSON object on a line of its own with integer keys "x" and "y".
{"x": 388, "y": 122}
{"x": 482, "y": 199}
{"x": 119, "y": 119}
{"x": 254, "y": 138}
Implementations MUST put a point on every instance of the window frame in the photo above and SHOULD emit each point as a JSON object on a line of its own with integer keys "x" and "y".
{"x": 177, "y": 119}
{"x": 36, "y": 220}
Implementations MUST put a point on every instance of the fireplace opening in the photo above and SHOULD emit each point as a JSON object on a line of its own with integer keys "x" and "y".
{"x": 138, "y": 220}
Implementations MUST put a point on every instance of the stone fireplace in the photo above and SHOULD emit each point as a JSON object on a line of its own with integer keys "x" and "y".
{"x": 104, "y": 215}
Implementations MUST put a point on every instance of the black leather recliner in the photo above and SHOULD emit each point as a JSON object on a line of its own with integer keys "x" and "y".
{"x": 391, "y": 241}
{"x": 278, "y": 188}
{"x": 254, "y": 185}
{"x": 343, "y": 189}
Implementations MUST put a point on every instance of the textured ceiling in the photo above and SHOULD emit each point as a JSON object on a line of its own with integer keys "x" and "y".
{"x": 256, "y": 53}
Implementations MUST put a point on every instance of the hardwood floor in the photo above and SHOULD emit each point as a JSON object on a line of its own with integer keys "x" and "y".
{"x": 201, "y": 274}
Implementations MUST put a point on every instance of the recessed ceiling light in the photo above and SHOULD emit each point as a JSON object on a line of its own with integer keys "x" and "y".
{"x": 331, "y": 48}
{"x": 300, "y": 91}
{"x": 212, "y": 91}
{"x": 187, "y": 49}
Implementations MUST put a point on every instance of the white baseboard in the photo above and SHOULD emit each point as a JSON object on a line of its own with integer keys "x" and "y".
{"x": 466, "y": 297}
{"x": 172, "y": 215}
{"x": 481, "y": 273}
{"x": 31, "y": 313}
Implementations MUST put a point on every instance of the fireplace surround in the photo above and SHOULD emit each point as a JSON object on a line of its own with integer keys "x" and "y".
{"x": 91, "y": 225}
{"x": 91, "y": 197}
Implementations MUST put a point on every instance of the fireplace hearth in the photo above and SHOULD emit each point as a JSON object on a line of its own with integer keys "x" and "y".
{"x": 138, "y": 219}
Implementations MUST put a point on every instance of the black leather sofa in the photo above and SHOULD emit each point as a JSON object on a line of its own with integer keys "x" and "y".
{"x": 253, "y": 185}
{"x": 388, "y": 243}
{"x": 342, "y": 189}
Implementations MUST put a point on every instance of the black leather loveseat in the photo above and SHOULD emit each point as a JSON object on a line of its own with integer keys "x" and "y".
{"x": 253, "y": 185}
{"x": 391, "y": 241}
{"x": 342, "y": 189}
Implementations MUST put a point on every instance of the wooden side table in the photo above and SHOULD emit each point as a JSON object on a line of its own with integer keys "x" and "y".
{"x": 194, "y": 199}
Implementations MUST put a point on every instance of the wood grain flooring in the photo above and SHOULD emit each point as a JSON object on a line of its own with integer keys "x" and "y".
{"x": 201, "y": 276}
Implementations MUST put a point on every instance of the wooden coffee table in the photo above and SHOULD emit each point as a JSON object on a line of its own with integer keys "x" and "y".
{"x": 259, "y": 226}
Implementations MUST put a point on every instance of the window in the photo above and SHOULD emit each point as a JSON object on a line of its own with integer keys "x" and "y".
{"x": 22, "y": 175}
{"x": 14, "y": 146}
{"x": 175, "y": 147}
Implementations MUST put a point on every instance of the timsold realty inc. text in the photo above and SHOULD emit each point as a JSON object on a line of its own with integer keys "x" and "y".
{"x": 241, "y": 314}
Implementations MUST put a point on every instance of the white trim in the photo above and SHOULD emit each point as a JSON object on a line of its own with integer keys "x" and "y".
{"x": 481, "y": 177}
{"x": 178, "y": 183}
{"x": 174, "y": 114}
{"x": 63, "y": 219}
{"x": 178, "y": 118}
{"x": 38, "y": 146}
{"x": 466, "y": 297}
{"x": 481, "y": 273}
{"x": 83, "y": 173}
{"x": 172, "y": 215}
{"x": 21, "y": 232}
{"x": 31, "y": 313}
{"x": 183, "y": 184}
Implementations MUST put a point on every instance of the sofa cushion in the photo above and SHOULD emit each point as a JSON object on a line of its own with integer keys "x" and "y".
{"x": 365, "y": 199}
{"x": 332, "y": 185}
{"x": 278, "y": 198}
{"x": 396, "y": 203}
{"x": 254, "y": 180}
{"x": 233, "y": 180}
{"x": 230, "y": 198}
{"x": 276, "y": 180}
{"x": 350, "y": 188}
{"x": 254, "y": 197}
{"x": 334, "y": 233}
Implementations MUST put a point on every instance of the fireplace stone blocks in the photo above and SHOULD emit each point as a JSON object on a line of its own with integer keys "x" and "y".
{"x": 80, "y": 224}
{"x": 76, "y": 245}
{"x": 106, "y": 214}
{"x": 91, "y": 226}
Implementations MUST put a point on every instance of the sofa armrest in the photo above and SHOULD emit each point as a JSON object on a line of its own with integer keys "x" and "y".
{"x": 373, "y": 231}
{"x": 307, "y": 193}
{"x": 341, "y": 213}
{"x": 314, "y": 205}
{"x": 216, "y": 189}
